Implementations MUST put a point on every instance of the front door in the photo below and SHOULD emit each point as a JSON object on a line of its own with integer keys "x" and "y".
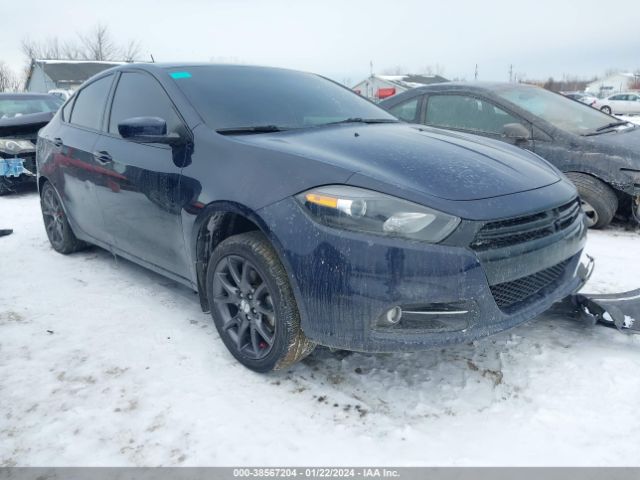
{"x": 142, "y": 208}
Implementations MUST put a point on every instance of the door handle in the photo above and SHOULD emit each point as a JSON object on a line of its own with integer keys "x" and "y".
{"x": 102, "y": 157}
{"x": 57, "y": 141}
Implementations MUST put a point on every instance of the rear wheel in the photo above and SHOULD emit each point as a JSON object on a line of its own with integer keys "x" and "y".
{"x": 599, "y": 201}
{"x": 61, "y": 237}
{"x": 606, "y": 110}
{"x": 253, "y": 306}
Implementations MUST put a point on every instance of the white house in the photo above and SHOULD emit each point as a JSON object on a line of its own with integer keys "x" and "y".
{"x": 45, "y": 75}
{"x": 379, "y": 87}
{"x": 618, "y": 82}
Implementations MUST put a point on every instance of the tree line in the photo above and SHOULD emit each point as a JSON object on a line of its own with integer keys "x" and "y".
{"x": 97, "y": 45}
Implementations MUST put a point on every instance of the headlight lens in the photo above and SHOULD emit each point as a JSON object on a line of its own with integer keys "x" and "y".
{"x": 361, "y": 210}
{"x": 14, "y": 147}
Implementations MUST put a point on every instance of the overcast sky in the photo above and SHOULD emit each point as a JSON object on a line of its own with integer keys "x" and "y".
{"x": 339, "y": 38}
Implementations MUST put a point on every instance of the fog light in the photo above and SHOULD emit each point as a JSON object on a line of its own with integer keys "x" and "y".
{"x": 391, "y": 316}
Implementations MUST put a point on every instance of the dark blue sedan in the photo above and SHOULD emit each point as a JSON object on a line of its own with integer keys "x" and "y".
{"x": 304, "y": 214}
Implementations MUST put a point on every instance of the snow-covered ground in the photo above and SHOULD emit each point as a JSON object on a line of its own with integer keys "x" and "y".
{"x": 105, "y": 363}
{"x": 630, "y": 118}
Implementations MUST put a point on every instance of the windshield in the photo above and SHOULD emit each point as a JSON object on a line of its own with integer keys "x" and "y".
{"x": 559, "y": 111}
{"x": 16, "y": 107}
{"x": 230, "y": 97}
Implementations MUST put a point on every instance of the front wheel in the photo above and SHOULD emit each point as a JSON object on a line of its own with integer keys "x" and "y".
{"x": 253, "y": 306}
{"x": 606, "y": 110}
{"x": 599, "y": 201}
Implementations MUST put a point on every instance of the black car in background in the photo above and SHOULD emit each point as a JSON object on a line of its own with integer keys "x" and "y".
{"x": 21, "y": 116}
{"x": 598, "y": 152}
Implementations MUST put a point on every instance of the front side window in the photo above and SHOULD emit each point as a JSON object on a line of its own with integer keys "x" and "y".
{"x": 89, "y": 105}
{"x": 140, "y": 95}
{"x": 237, "y": 96}
{"x": 406, "y": 111}
{"x": 467, "y": 113}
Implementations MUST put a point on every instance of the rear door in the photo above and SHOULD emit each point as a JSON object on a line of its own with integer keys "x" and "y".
{"x": 473, "y": 114}
{"x": 77, "y": 172}
{"x": 143, "y": 209}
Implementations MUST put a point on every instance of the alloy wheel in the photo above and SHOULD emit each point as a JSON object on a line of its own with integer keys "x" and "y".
{"x": 53, "y": 217}
{"x": 590, "y": 213}
{"x": 244, "y": 304}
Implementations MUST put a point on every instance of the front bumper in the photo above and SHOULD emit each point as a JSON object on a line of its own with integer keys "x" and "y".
{"x": 345, "y": 281}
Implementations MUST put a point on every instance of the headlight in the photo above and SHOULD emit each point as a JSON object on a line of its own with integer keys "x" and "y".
{"x": 363, "y": 210}
{"x": 14, "y": 147}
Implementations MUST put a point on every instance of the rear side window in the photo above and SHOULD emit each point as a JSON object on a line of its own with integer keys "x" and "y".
{"x": 140, "y": 95}
{"x": 406, "y": 111}
{"x": 89, "y": 105}
{"x": 467, "y": 113}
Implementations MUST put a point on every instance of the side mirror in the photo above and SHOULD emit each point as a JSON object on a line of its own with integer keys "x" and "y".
{"x": 516, "y": 131}
{"x": 147, "y": 130}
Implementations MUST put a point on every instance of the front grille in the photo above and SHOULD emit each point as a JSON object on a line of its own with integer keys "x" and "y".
{"x": 508, "y": 294}
{"x": 512, "y": 231}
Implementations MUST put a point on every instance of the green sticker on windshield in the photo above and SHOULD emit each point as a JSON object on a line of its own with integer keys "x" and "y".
{"x": 178, "y": 75}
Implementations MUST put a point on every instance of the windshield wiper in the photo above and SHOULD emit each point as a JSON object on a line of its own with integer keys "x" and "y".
{"x": 361, "y": 120}
{"x": 251, "y": 129}
{"x": 606, "y": 127}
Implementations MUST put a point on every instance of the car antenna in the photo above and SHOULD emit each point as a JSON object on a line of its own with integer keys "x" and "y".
{"x": 152, "y": 59}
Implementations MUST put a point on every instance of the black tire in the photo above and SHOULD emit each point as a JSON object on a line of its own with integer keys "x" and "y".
{"x": 606, "y": 110}
{"x": 59, "y": 232}
{"x": 599, "y": 201}
{"x": 5, "y": 186}
{"x": 253, "y": 306}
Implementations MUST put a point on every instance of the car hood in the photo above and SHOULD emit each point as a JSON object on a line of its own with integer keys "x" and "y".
{"x": 434, "y": 162}
{"x": 24, "y": 124}
{"x": 623, "y": 142}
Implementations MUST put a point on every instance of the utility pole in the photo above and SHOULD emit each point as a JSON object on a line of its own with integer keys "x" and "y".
{"x": 511, "y": 73}
{"x": 475, "y": 75}
{"x": 371, "y": 68}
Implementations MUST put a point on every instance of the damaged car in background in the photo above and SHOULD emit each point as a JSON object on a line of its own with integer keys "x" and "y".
{"x": 21, "y": 116}
{"x": 598, "y": 152}
{"x": 327, "y": 222}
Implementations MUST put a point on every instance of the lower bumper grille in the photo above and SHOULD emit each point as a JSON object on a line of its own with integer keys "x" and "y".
{"x": 509, "y": 294}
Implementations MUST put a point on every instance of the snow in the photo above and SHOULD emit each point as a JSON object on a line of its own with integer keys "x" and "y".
{"x": 630, "y": 118}
{"x": 105, "y": 363}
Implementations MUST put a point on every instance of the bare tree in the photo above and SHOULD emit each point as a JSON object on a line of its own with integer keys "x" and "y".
{"x": 98, "y": 44}
{"x": 9, "y": 81}
{"x": 131, "y": 51}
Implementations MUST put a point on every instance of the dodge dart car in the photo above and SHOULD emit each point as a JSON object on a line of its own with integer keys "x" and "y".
{"x": 599, "y": 153}
{"x": 303, "y": 214}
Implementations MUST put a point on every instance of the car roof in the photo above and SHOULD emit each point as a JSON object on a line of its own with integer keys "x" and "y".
{"x": 473, "y": 86}
{"x": 158, "y": 67}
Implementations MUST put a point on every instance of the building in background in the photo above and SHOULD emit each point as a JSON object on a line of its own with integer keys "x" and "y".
{"x": 379, "y": 87}
{"x": 46, "y": 75}
{"x": 618, "y": 82}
